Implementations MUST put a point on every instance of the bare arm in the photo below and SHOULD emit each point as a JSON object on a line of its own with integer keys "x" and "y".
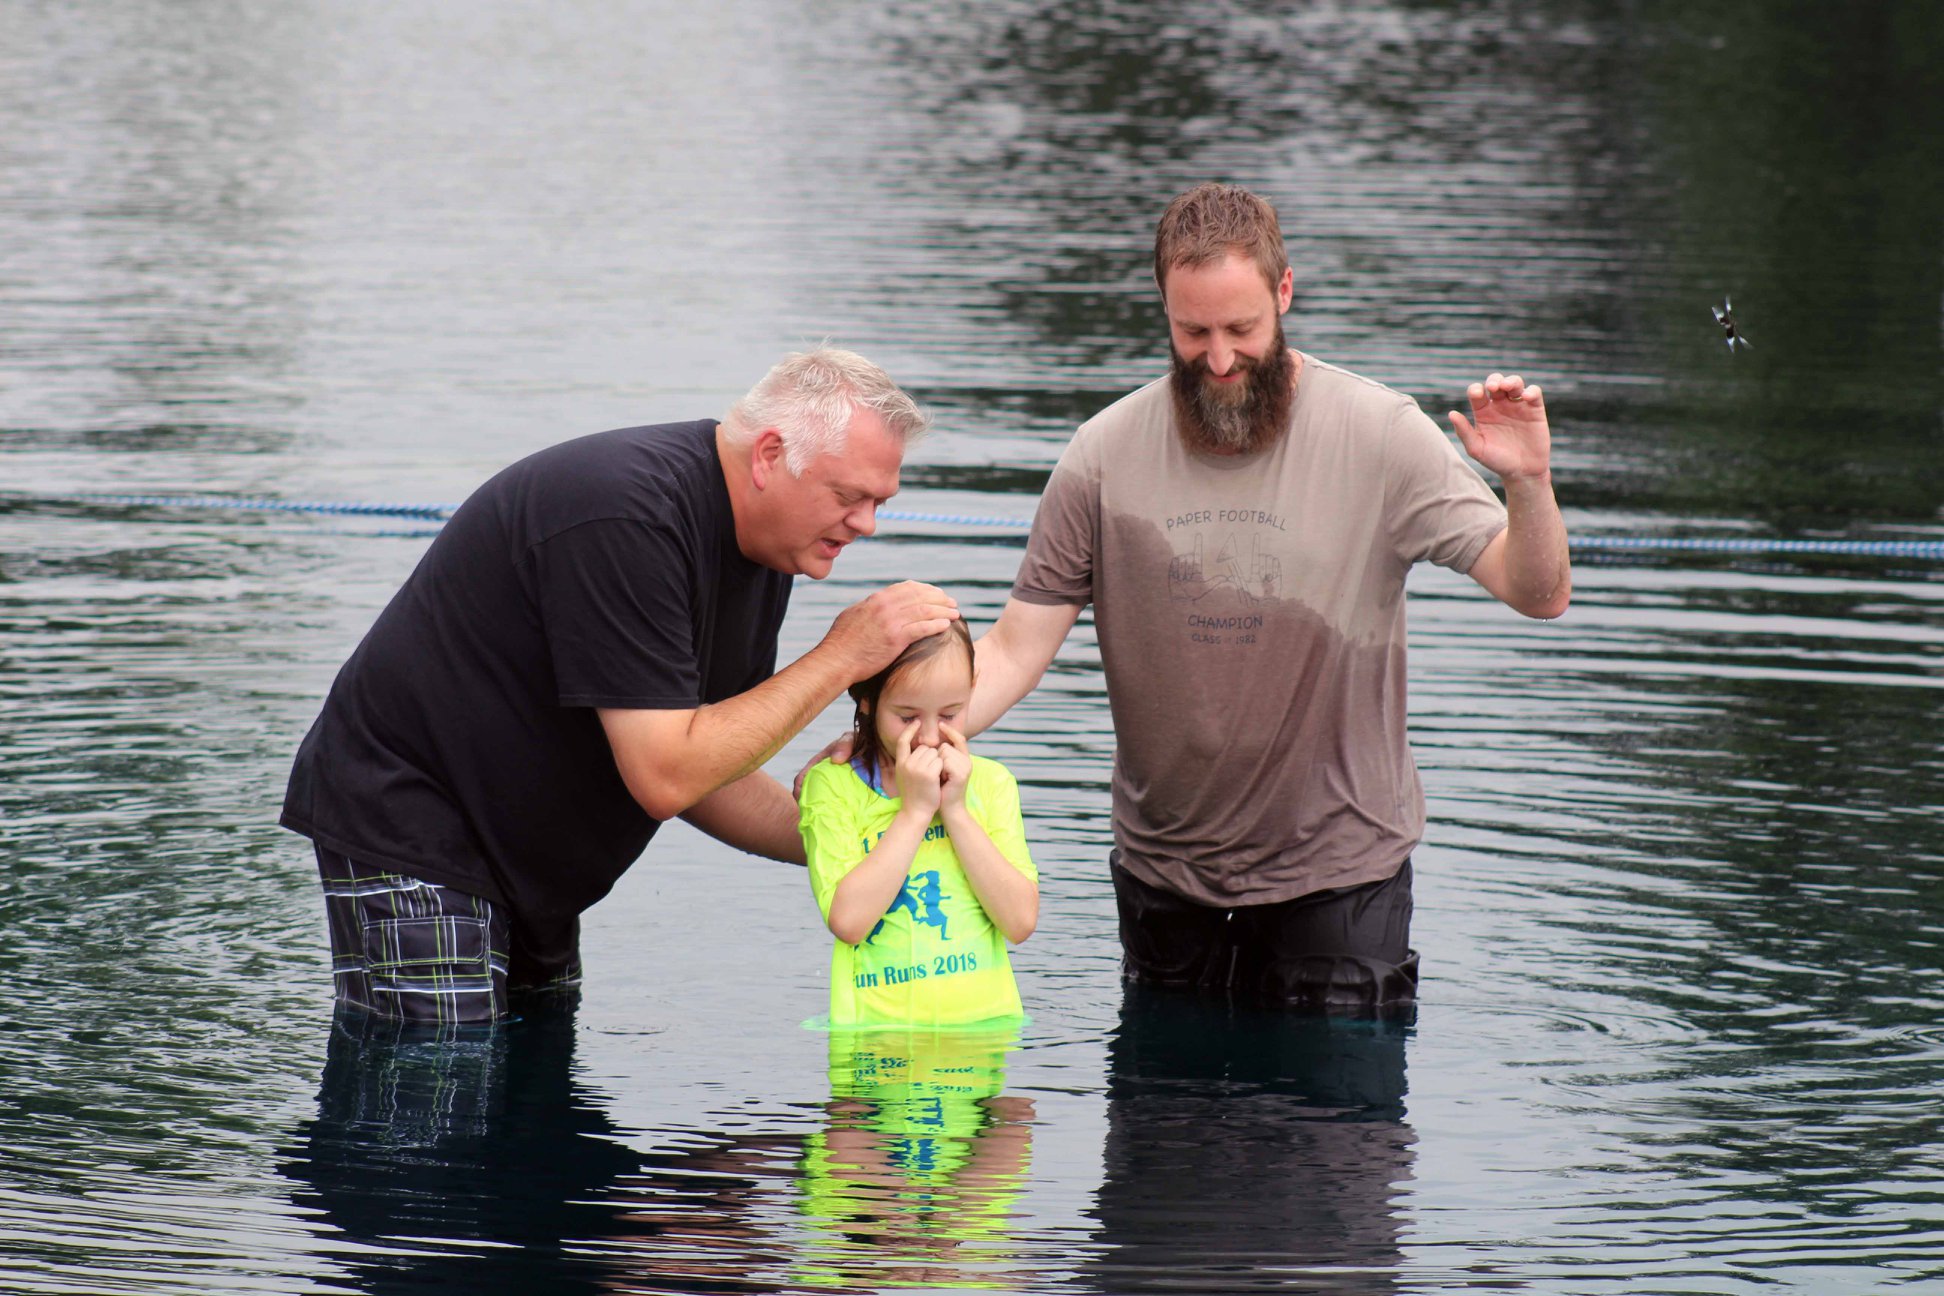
{"x": 755, "y": 814}
{"x": 672, "y": 759}
{"x": 866, "y": 892}
{"x": 1527, "y": 566}
{"x": 1009, "y": 897}
{"x": 1012, "y": 657}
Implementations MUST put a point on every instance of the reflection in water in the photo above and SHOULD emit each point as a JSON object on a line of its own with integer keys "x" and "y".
{"x": 459, "y": 1159}
{"x": 913, "y": 1180}
{"x": 1250, "y": 1151}
{"x": 470, "y": 1159}
{"x": 1694, "y": 830}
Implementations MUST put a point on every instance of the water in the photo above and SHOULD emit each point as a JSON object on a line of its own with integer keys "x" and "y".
{"x": 1680, "y": 906}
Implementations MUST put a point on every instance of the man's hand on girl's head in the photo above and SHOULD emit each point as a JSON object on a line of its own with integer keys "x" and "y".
{"x": 874, "y": 630}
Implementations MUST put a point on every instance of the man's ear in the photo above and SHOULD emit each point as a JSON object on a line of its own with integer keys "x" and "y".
{"x": 766, "y": 458}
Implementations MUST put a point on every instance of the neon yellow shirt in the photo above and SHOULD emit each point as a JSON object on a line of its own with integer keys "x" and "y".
{"x": 935, "y": 958}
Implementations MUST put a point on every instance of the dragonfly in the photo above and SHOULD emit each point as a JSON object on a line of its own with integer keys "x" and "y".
{"x": 1725, "y": 316}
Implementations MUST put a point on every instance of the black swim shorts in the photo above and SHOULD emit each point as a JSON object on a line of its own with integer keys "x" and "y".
{"x": 1343, "y": 951}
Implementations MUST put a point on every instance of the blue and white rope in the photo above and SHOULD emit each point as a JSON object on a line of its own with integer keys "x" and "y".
{"x": 1749, "y": 544}
{"x": 953, "y": 519}
{"x": 437, "y": 512}
{"x": 440, "y": 512}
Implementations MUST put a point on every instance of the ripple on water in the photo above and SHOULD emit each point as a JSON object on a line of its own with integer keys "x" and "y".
{"x": 1679, "y": 899}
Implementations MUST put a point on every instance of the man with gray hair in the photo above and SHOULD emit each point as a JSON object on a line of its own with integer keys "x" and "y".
{"x": 587, "y": 649}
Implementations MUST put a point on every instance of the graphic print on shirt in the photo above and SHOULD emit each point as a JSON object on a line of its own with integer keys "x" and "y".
{"x": 1226, "y": 591}
{"x": 1191, "y": 578}
{"x": 926, "y": 904}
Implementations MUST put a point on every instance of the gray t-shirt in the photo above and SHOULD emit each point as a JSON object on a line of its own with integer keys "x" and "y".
{"x": 1251, "y": 619}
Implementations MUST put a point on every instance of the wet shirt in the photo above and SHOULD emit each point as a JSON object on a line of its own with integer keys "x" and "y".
{"x": 1250, "y": 612}
{"x": 935, "y": 957}
{"x": 460, "y": 743}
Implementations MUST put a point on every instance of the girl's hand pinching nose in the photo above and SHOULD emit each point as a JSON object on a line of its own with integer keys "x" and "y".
{"x": 920, "y": 772}
{"x": 955, "y": 758}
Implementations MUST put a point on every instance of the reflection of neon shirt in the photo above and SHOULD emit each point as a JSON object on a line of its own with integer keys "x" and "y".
{"x": 935, "y": 958}
{"x": 912, "y": 1182}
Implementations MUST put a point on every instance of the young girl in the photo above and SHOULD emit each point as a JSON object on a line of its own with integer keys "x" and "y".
{"x": 917, "y": 852}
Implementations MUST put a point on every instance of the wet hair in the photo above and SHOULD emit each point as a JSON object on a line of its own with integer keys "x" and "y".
{"x": 810, "y": 398}
{"x": 866, "y": 750}
{"x": 1211, "y": 221}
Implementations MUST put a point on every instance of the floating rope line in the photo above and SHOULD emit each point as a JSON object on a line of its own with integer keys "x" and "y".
{"x": 953, "y": 519}
{"x": 440, "y": 512}
{"x": 1744, "y": 544}
{"x": 436, "y": 512}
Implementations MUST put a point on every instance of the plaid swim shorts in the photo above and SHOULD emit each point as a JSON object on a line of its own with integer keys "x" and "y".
{"x": 410, "y": 950}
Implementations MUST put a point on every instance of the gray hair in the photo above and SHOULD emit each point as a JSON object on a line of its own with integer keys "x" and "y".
{"x": 810, "y": 398}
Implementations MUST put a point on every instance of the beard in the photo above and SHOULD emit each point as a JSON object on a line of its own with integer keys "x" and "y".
{"x": 1235, "y": 418}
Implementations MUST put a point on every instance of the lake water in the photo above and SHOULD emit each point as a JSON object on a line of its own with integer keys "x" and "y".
{"x": 1682, "y": 902}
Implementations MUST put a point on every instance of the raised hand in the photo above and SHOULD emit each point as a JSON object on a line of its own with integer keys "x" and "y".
{"x": 956, "y": 758}
{"x": 1507, "y": 431}
{"x": 873, "y": 631}
{"x": 921, "y": 773}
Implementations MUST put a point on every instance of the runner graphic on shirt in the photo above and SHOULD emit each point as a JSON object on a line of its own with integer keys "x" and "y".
{"x": 926, "y": 905}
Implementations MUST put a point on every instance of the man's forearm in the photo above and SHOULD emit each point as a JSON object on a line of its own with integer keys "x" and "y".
{"x": 1010, "y": 659}
{"x": 999, "y": 682}
{"x": 671, "y": 760}
{"x": 729, "y": 739}
{"x": 755, "y": 814}
{"x": 1537, "y": 562}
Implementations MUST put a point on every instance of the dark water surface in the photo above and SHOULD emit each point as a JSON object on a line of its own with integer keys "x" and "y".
{"x": 1682, "y": 902}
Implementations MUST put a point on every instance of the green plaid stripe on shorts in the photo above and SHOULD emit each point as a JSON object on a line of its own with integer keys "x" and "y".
{"x": 412, "y": 950}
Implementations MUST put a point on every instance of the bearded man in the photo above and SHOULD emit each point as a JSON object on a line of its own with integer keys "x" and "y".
{"x": 1243, "y": 528}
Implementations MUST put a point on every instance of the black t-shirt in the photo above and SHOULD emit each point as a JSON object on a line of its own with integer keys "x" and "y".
{"x": 459, "y": 743}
